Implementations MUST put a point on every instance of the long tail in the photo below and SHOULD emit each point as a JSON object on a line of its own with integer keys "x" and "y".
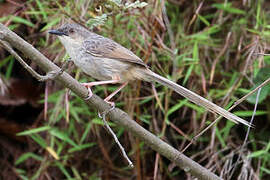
{"x": 193, "y": 97}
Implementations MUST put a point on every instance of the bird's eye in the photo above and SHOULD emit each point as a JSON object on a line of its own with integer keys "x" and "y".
{"x": 71, "y": 30}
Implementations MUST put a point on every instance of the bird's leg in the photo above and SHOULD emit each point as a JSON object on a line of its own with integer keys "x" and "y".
{"x": 114, "y": 93}
{"x": 89, "y": 85}
{"x": 103, "y": 114}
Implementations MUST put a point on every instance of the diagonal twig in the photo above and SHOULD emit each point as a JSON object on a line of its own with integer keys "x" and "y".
{"x": 103, "y": 116}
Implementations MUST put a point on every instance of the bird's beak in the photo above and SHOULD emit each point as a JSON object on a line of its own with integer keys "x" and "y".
{"x": 56, "y": 32}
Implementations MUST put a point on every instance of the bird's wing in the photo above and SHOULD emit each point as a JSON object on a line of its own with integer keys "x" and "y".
{"x": 100, "y": 46}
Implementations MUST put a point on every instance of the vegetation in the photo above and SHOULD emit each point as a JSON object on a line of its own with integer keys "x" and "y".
{"x": 210, "y": 47}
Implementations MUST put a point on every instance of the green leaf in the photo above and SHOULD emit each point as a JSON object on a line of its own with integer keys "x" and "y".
{"x": 38, "y": 139}
{"x": 33, "y": 131}
{"x": 33, "y": 12}
{"x": 203, "y": 20}
{"x": 41, "y": 8}
{"x": 176, "y": 107}
{"x": 198, "y": 108}
{"x": 220, "y": 138}
{"x": 227, "y": 7}
{"x": 4, "y": 61}
{"x": 262, "y": 75}
{"x": 227, "y": 129}
{"x": 263, "y": 94}
{"x": 81, "y": 147}
{"x": 10, "y": 68}
{"x": 77, "y": 174}
{"x": 18, "y": 19}
{"x": 22, "y": 174}
{"x": 85, "y": 133}
{"x": 51, "y": 24}
{"x": 249, "y": 113}
{"x": 253, "y": 31}
{"x": 20, "y": 171}
{"x": 26, "y": 156}
{"x": 265, "y": 170}
{"x": 260, "y": 152}
{"x": 63, "y": 136}
{"x": 189, "y": 71}
{"x": 63, "y": 169}
{"x": 100, "y": 122}
{"x": 257, "y": 154}
{"x": 258, "y": 18}
{"x": 145, "y": 118}
{"x": 3, "y": 19}
{"x": 74, "y": 113}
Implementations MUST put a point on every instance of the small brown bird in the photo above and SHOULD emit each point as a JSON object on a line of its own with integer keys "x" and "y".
{"x": 109, "y": 62}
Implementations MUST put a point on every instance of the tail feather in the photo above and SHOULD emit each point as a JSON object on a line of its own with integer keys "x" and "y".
{"x": 195, "y": 98}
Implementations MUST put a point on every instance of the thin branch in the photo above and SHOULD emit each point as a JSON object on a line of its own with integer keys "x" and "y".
{"x": 171, "y": 37}
{"x": 233, "y": 167}
{"x": 118, "y": 116}
{"x": 220, "y": 54}
{"x": 103, "y": 116}
{"x": 21, "y": 61}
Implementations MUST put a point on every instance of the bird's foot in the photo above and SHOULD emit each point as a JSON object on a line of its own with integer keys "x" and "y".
{"x": 104, "y": 113}
{"x": 90, "y": 93}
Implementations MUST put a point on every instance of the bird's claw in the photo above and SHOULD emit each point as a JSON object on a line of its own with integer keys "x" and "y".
{"x": 90, "y": 93}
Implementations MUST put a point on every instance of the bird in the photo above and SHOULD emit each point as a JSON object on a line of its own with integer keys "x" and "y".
{"x": 109, "y": 62}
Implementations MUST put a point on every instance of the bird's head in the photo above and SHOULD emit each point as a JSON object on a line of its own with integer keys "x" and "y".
{"x": 71, "y": 33}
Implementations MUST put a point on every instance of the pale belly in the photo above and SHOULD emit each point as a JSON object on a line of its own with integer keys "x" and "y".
{"x": 102, "y": 68}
